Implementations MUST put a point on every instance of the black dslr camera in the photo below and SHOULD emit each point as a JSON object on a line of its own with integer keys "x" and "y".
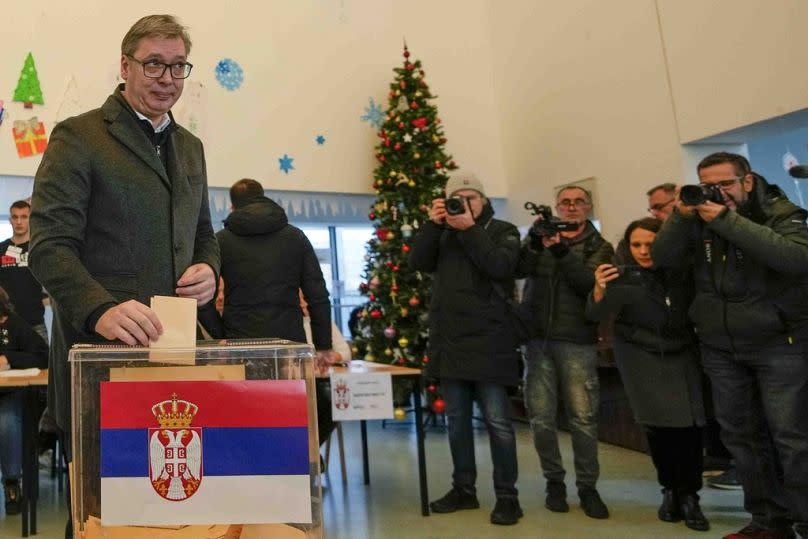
{"x": 547, "y": 224}
{"x": 456, "y": 205}
{"x": 693, "y": 195}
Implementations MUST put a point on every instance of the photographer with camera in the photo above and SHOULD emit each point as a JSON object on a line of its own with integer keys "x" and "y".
{"x": 559, "y": 259}
{"x": 470, "y": 255}
{"x": 656, "y": 353}
{"x": 750, "y": 250}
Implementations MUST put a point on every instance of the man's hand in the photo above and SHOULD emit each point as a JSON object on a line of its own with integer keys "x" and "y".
{"x": 686, "y": 211}
{"x": 4, "y": 364}
{"x": 197, "y": 282}
{"x": 325, "y": 358}
{"x": 438, "y": 211}
{"x": 463, "y": 221}
{"x": 548, "y": 241}
{"x": 131, "y": 322}
{"x": 710, "y": 210}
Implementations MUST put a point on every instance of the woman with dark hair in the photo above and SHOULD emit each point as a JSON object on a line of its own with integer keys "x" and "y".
{"x": 657, "y": 356}
{"x": 20, "y": 348}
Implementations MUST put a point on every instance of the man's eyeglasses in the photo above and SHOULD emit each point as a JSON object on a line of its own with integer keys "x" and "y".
{"x": 660, "y": 206}
{"x": 577, "y": 203}
{"x": 153, "y": 69}
{"x": 725, "y": 184}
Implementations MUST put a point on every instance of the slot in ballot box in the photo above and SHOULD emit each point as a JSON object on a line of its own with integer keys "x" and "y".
{"x": 215, "y": 441}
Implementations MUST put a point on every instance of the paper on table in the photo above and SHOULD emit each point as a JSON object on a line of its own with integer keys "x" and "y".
{"x": 19, "y": 373}
{"x": 178, "y": 317}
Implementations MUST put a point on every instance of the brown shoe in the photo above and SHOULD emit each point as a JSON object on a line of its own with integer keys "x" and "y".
{"x": 12, "y": 492}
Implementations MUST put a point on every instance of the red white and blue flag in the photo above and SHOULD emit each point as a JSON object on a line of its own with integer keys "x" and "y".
{"x": 218, "y": 452}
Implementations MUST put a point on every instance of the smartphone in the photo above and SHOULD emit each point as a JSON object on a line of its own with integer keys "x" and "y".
{"x": 629, "y": 274}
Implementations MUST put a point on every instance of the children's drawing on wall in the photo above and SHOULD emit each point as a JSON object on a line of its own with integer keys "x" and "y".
{"x": 374, "y": 115}
{"x": 28, "y": 90}
{"x": 190, "y": 111}
{"x": 790, "y": 161}
{"x": 286, "y": 163}
{"x": 229, "y": 74}
{"x": 70, "y": 105}
{"x": 319, "y": 139}
{"x": 2, "y": 112}
{"x": 29, "y": 136}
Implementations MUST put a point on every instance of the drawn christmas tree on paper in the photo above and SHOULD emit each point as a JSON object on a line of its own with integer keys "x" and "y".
{"x": 70, "y": 105}
{"x": 28, "y": 90}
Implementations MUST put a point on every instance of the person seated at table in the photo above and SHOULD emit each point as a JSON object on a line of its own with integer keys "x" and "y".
{"x": 655, "y": 349}
{"x": 20, "y": 348}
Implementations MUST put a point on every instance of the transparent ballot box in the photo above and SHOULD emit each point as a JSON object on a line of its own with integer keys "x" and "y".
{"x": 215, "y": 441}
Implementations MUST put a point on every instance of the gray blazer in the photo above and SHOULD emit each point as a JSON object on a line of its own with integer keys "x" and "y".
{"x": 108, "y": 224}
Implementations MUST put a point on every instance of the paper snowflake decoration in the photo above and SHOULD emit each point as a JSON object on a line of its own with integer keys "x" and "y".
{"x": 229, "y": 74}
{"x": 320, "y": 140}
{"x": 374, "y": 114}
{"x": 286, "y": 163}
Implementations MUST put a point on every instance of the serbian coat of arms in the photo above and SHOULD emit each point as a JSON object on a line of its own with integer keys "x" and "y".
{"x": 342, "y": 395}
{"x": 175, "y": 450}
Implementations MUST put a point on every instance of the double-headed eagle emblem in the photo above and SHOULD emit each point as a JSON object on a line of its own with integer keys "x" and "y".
{"x": 175, "y": 450}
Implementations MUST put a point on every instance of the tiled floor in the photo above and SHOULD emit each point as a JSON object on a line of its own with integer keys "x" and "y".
{"x": 389, "y": 507}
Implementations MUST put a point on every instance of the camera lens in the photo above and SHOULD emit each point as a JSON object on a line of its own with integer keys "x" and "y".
{"x": 455, "y": 206}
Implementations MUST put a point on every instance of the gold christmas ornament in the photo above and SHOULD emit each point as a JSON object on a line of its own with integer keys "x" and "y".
{"x": 388, "y": 352}
{"x": 370, "y": 357}
{"x": 400, "y": 414}
{"x": 403, "y": 342}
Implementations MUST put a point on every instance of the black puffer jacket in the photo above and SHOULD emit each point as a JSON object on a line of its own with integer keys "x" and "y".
{"x": 750, "y": 271}
{"x": 469, "y": 334}
{"x": 557, "y": 286}
{"x": 264, "y": 262}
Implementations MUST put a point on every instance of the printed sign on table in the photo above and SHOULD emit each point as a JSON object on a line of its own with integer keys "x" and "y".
{"x": 361, "y": 396}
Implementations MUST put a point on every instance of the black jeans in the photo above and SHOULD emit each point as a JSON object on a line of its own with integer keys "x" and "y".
{"x": 676, "y": 453}
{"x": 761, "y": 402}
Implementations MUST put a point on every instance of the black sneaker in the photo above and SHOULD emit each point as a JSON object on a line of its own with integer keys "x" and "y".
{"x": 506, "y": 512}
{"x": 455, "y": 500}
{"x": 691, "y": 512}
{"x": 556, "y": 499}
{"x": 670, "y": 510}
{"x": 12, "y": 492}
{"x": 728, "y": 480}
{"x": 591, "y": 503}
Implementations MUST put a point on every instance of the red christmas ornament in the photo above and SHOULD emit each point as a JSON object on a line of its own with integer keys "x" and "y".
{"x": 406, "y": 53}
{"x": 397, "y": 146}
{"x": 422, "y": 72}
{"x": 414, "y": 301}
{"x": 381, "y": 233}
{"x": 381, "y": 158}
{"x": 438, "y": 164}
{"x": 413, "y": 105}
{"x": 420, "y": 123}
{"x": 402, "y": 85}
{"x": 363, "y": 287}
{"x": 394, "y": 288}
{"x": 371, "y": 216}
{"x": 410, "y": 67}
{"x": 401, "y": 125}
{"x": 405, "y": 248}
{"x": 391, "y": 95}
{"x": 432, "y": 388}
{"x": 387, "y": 142}
{"x": 425, "y": 359}
{"x": 401, "y": 361}
{"x": 382, "y": 134}
{"x": 395, "y": 268}
{"x": 372, "y": 296}
{"x": 421, "y": 83}
{"x": 388, "y": 264}
{"x": 439, "y": 406}
{"x": 375, "y": 313}
{"x": 452, "y": 163}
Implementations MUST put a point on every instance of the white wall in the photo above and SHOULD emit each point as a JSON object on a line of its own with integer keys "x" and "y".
{"x": 310, "y": 66}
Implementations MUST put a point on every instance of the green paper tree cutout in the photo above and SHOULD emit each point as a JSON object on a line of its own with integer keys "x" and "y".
{"x": 412, "y": 170}
{"x": 28, "y": 90}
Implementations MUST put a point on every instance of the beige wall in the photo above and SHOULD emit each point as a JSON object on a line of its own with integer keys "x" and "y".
{"x": 583, "y": 92}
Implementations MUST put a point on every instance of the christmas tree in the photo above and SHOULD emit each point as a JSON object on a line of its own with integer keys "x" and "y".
{"x": 412, "y": 171}
{"x": 28, "y": 90}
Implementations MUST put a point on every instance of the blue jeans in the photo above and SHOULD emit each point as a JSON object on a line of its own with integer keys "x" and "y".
{"x": 11, "y": 434}
{"x": 761, "y": 399}
{"x": 570, "y": 368}
{"x": 493, "y": 401}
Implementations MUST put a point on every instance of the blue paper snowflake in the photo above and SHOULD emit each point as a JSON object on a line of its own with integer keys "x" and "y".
{"x": 286, "y": 163}
{"x": 320, "y": 140}
{"x": 374, "y": 114}
{"x": 229, "y": 74}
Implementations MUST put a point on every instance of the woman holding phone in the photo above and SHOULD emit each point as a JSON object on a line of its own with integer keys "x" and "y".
{"x": 657, "y": 355}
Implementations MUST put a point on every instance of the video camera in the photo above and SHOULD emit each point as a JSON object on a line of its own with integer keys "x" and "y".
{"x": 547, "y": 224}
{"x": 693, "y": 195}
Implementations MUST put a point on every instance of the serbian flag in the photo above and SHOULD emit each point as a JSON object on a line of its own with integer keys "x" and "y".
{"x": 220, "y": 452}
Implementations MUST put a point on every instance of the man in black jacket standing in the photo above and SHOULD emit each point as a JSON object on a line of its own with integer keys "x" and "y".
{"x": 470, "y": 255}
{"x": 750, "y": 247}
{"x": 563, "y": 358}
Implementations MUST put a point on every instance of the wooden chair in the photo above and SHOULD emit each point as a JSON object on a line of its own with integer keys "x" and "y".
{"x": 341, "y": 443}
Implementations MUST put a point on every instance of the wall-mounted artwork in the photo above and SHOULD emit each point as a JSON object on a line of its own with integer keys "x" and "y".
{"x": 29, "y": 136}
{"x": 229, "y": 74}
{"x": 28, "y": 90}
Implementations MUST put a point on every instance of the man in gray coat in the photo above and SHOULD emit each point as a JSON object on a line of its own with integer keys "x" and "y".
{"x": 121, "y": 208}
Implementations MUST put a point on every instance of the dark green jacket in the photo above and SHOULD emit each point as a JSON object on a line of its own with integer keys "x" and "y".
{"x": 557, "y": 287}
{"x": 109, "y": 223}
{"x": 750, "y": 269}
{"x": 470, "y": 337}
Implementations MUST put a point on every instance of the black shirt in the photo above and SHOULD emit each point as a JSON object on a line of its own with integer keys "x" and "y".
{"x": 25, "y": 291}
